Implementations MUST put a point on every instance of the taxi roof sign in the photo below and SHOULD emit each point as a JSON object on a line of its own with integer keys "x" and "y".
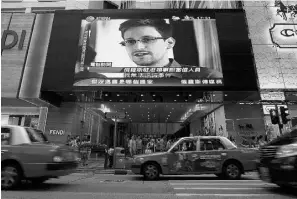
{"x": 115, "y": 115}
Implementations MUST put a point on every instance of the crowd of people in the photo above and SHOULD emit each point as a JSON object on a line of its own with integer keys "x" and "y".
{"x": 83, "y": 146}
{"x": 148, "y": 144}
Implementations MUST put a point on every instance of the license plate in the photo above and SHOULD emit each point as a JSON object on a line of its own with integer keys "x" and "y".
{"x": 264, "y": 174}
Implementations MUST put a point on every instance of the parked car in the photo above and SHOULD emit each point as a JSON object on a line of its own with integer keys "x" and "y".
{"x": 278, "y": 160}
{"x": 27, "y": 154}
{"x": 197, "y": 155}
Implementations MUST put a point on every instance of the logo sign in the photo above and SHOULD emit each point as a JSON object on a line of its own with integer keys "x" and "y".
{"x": 273, "y": 96}
{"x": 56, "y": 132}
{"x": 267, "y": 108}
{"x": 115, "y": 115}
{"x": 284, "y": 35}
{"x": 285, "y": 11}
{"x": 15, "y": 39}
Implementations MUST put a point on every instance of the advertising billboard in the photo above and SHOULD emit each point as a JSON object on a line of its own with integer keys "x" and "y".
{"x": 195, "y": 49}
{"x": 156, "y": 51}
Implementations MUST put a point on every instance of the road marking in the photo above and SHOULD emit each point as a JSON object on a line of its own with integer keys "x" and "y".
{"x": 222, "y": 195}
{"x": 219, "y": 184}
{"x": 216, "y": 188}
{"x": 173, "y": 181}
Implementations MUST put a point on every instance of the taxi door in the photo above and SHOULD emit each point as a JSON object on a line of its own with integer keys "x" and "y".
{"x": 181, "y": 158}
{"x": 210, "y": 155}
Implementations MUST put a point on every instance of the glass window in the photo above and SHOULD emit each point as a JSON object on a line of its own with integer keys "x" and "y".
{"x": 211, "y": 144}
{"x": 228, "y": 144}
{"x": 187, "y": 145}
{"x": 217, "y": 144}
{"x": 36, "y": 135}
{"x": 5, "y": 136}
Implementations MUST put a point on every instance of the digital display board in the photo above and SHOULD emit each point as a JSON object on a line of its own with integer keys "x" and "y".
{"x": 156, "y": 51}
{"x": 152, "y": 49}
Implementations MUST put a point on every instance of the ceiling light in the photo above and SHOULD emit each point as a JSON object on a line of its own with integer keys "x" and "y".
{"x": 153, "y": 100}
{"x": 186, "y": 100}
{"x": 226, "y": 95}
{"x": 121, "y": 100}
{"x": 177, "y": 95}
{"x": 190, "y": 95}
{"x": 175, "y": 100}
{"x": 106, "y": 94}
{"x": 154, "y": 95}
{"x": 141, "y": 95}
{"x": 118, "y": 94}
{"x": 110, "y": 100}
{"x": 142, "y": 100}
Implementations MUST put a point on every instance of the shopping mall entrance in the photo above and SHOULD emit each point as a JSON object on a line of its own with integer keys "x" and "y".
{"x": 154, "y": 116}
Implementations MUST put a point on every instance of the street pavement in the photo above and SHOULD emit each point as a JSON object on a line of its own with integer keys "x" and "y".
{"x": 107, "y": 186}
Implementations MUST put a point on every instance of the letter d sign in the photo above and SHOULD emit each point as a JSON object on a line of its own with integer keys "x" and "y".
{"x": 14, "y": 41}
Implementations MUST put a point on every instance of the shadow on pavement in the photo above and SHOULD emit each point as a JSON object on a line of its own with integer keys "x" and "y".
{"x": 283, "y": 191}
{"x": 28, "y": 186}
{"x": 178, "y": 177}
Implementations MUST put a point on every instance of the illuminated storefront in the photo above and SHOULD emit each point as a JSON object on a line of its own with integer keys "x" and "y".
{"x": 272, "y": 27}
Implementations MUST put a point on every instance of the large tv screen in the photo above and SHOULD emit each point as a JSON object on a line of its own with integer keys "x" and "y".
{"x": 202, "y": 49}
{"x": 153, "y": 51}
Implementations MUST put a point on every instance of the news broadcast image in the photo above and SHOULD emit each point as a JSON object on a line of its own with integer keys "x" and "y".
{"x": 148, "y": 52}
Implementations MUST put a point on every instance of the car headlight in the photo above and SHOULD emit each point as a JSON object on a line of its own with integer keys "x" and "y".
{"x": 287, "y": 150}
{"x": 141, "y": 160}
{"x": 57, "y": 159}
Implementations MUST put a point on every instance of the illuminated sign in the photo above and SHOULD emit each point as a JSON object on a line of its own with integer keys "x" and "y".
{"x": 284, "y": 35}
{"x": 131, "y": 51}
{"x": 273, "y": 96}
{"x": 15, "y": 39}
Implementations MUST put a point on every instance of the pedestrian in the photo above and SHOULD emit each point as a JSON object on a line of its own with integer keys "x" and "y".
{"x": 106, "y": 158}
{"x": 110, "y": 156}
{"x": 138, "y": 145}
{"x": 132, "y": 146}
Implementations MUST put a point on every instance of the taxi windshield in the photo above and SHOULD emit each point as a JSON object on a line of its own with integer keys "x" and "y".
{"x": 173, "y": 145}
{"x": 228, "y": 144}
{"x": 36, "y": 135}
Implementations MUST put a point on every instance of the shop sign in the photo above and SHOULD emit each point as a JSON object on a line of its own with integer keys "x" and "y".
{"x": 284, "y": 35}
{"x": 56, "y": 132}
{"x": 267, "y": 108}
{"x": 15, "y": 39}
{"x": 273, "y": 96}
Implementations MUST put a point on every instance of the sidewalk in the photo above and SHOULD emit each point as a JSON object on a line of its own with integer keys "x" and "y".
{"x": 97, "y": 166}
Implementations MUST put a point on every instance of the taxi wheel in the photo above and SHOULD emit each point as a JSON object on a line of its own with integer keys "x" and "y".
{"x": 232, "y": 171}
{"x": 10, "y": 176}
{"x": 151, "y": 171}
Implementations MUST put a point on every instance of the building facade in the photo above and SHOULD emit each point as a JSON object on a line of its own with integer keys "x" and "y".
{"x": 32, "y": 95}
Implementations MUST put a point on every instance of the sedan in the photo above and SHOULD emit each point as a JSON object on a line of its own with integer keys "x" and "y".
{"x": 26, "y": 154}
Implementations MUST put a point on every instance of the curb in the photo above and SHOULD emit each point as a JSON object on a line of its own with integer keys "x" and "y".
{"x": 114, "y": 172}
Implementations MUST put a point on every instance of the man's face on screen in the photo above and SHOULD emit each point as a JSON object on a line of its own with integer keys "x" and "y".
{"x": 147, "y": 51}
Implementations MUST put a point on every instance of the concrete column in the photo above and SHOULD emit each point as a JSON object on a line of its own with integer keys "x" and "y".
{"x": 42, "y": 118}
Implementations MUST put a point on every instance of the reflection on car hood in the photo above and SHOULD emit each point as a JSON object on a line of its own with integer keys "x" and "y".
{"x": 149, "y": 155}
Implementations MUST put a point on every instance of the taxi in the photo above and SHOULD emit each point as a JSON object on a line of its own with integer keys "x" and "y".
{"x": 198, "y": 155}
{"x": 27, "y": 155}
